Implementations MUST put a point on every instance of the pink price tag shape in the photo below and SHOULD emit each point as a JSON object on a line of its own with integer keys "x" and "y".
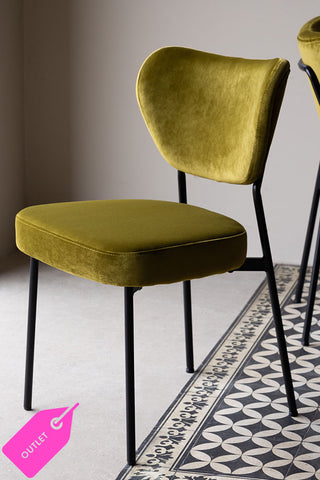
{"x": 40, "y": 440}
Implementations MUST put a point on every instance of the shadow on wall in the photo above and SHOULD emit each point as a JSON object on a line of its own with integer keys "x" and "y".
{"x": 67, "y": 99}
{"x": 47, "y": 101}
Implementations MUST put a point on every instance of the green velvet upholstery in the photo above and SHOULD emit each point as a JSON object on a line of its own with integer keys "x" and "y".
{"x": 131, "y": 242}
{"x": 210, "y": 115}
{"x": 309, "y": 46}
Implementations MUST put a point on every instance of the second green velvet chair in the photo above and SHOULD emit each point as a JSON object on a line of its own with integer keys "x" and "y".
{"x": 211, "y": 116}
{"x": 309, "y": 46}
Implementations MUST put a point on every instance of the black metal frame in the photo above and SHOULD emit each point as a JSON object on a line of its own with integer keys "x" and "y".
{"x": 129, "y": 368}
{"x": 254, "y": 264}
{"x": 265, "y": 263}
{"x": 182, "y": 187}
{"x": 310, "y": 229}
{"x": 33, "y": 291}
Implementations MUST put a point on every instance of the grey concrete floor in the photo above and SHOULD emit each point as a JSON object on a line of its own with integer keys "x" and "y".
{"x": 80, "y": 358}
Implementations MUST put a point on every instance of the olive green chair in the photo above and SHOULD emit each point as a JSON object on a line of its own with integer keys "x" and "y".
{"x": 309, "y": 46}
{"x": 210, "y": 116}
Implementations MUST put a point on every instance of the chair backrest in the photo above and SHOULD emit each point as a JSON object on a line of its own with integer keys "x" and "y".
{"x": 210, "y": 115}
{"x": 309, "y": 47}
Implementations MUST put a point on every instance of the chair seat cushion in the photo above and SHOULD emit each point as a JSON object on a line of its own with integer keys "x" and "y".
{"x": 131, "y": 242}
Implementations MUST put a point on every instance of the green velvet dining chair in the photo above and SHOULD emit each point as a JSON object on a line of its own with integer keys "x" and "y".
{"x": 209, "y": 115}
{"x": 309, "y": 46}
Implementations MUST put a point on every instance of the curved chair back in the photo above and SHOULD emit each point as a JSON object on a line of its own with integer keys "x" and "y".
{"x": 309, "y": 47}
{"x": 210, "y": 115}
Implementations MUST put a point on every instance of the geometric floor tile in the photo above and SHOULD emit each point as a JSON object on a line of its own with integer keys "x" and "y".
{"x": 231, "y": 420}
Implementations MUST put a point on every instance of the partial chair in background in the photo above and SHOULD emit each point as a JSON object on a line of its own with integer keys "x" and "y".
{"x": 211, "y": 116}
{"x": 309, "y": 46}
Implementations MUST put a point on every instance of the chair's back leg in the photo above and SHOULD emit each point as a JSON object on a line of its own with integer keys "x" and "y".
{"x": 276, "y": 310}
{"x": 129, "y": 365}
{"x": 188, "y": 325}
{"x": 33, "y": 289}
{"x": 308, "y": 240}
{"x": 182, "y": 188}
{"x": 312, "y": 292}
{"x": 281, "y": 340}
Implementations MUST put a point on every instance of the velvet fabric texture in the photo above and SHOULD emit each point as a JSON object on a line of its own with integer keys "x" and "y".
{"x": 131, "y": 242}
{"x": 309, "y": 46}
{"x": 210, "y": 115}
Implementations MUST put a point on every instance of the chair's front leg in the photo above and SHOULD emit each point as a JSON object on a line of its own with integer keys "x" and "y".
{"x": 33, "y": 289}
{"x": 129, "y": 365}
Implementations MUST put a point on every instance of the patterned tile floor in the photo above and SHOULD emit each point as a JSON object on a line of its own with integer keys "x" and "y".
{"x": 231, "y": 420}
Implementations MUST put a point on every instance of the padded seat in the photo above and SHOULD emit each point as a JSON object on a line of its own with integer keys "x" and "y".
{"x": 131, "y": 242}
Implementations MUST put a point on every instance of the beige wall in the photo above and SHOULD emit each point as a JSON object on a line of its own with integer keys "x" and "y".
{"x": 83, "y": 134}
{"x": 11, "y": 125}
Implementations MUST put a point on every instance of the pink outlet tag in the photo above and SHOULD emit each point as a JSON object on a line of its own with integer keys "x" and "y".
{"x": 40, "y": 440}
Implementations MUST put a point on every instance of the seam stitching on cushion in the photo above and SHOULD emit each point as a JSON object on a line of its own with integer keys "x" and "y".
{"x": 309, "y": 40}
{"x": 129, "y": 253}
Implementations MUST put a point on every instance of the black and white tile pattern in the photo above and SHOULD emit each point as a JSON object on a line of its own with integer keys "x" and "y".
{"x": 231, "y": 420}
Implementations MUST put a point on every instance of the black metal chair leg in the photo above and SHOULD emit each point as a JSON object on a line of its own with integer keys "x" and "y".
{"x": 188, "y": 325}
{"x": 312, "y": 292}
{"x": 281, "y": 342}
{"x": 182, "y": 187}
{"x": 308, "y": 240}
{"x": 274, "y": 298}
{"x": 129, "y": 362}
{"x": 33, "y": 289}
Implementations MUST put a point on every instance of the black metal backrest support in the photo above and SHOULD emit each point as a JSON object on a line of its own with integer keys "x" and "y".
{"x": 182, "y": 187}
{"x": 312, "y": 77}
